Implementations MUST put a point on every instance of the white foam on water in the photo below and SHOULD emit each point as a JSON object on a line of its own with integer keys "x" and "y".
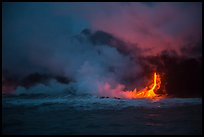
{"x": 94, "y": 102}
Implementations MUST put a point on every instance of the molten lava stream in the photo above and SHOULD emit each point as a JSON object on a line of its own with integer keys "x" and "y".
{"x": 146, "y": 92}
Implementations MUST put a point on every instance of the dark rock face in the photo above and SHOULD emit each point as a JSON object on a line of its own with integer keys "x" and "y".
{"x": 36, "y": 78}
{"x": 182, "y": 76}
{"x": 184, "y": 79}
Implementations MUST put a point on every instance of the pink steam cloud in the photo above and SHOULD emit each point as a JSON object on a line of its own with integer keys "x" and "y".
{"x": 164, "y": 26}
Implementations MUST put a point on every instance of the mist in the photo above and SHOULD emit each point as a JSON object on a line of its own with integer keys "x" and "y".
{"x": 95, "y": 46}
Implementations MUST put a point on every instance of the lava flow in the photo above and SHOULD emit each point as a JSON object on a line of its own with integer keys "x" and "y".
{"x": 147, "y": 92}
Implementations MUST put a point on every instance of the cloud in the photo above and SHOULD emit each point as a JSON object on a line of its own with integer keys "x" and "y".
{"x": 95, "y": 44}
{"x": 154, "y": 26}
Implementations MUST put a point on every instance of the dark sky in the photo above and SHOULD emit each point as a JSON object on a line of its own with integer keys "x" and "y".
{"x": 38, "y": 36}
{"x": 99, "y": 45}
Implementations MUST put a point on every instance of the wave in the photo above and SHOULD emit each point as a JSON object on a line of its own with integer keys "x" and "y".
{"x": 95, "y": 102}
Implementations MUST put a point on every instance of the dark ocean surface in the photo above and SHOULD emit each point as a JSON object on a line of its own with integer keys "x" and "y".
{"x": 74, "y": 115}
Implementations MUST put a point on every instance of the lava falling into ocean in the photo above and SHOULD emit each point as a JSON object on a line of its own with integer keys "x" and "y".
{"x": 147, "y": 92}
{"x": 91, "y": 53}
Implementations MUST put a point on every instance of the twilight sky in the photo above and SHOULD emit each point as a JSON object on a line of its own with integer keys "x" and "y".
{"x": 46, "y": 37}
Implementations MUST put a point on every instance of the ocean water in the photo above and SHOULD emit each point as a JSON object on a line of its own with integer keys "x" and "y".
{"x": 37, "y": 114}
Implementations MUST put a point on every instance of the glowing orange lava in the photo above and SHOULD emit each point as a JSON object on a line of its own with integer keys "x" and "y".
{"x": 147, "y": 92}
